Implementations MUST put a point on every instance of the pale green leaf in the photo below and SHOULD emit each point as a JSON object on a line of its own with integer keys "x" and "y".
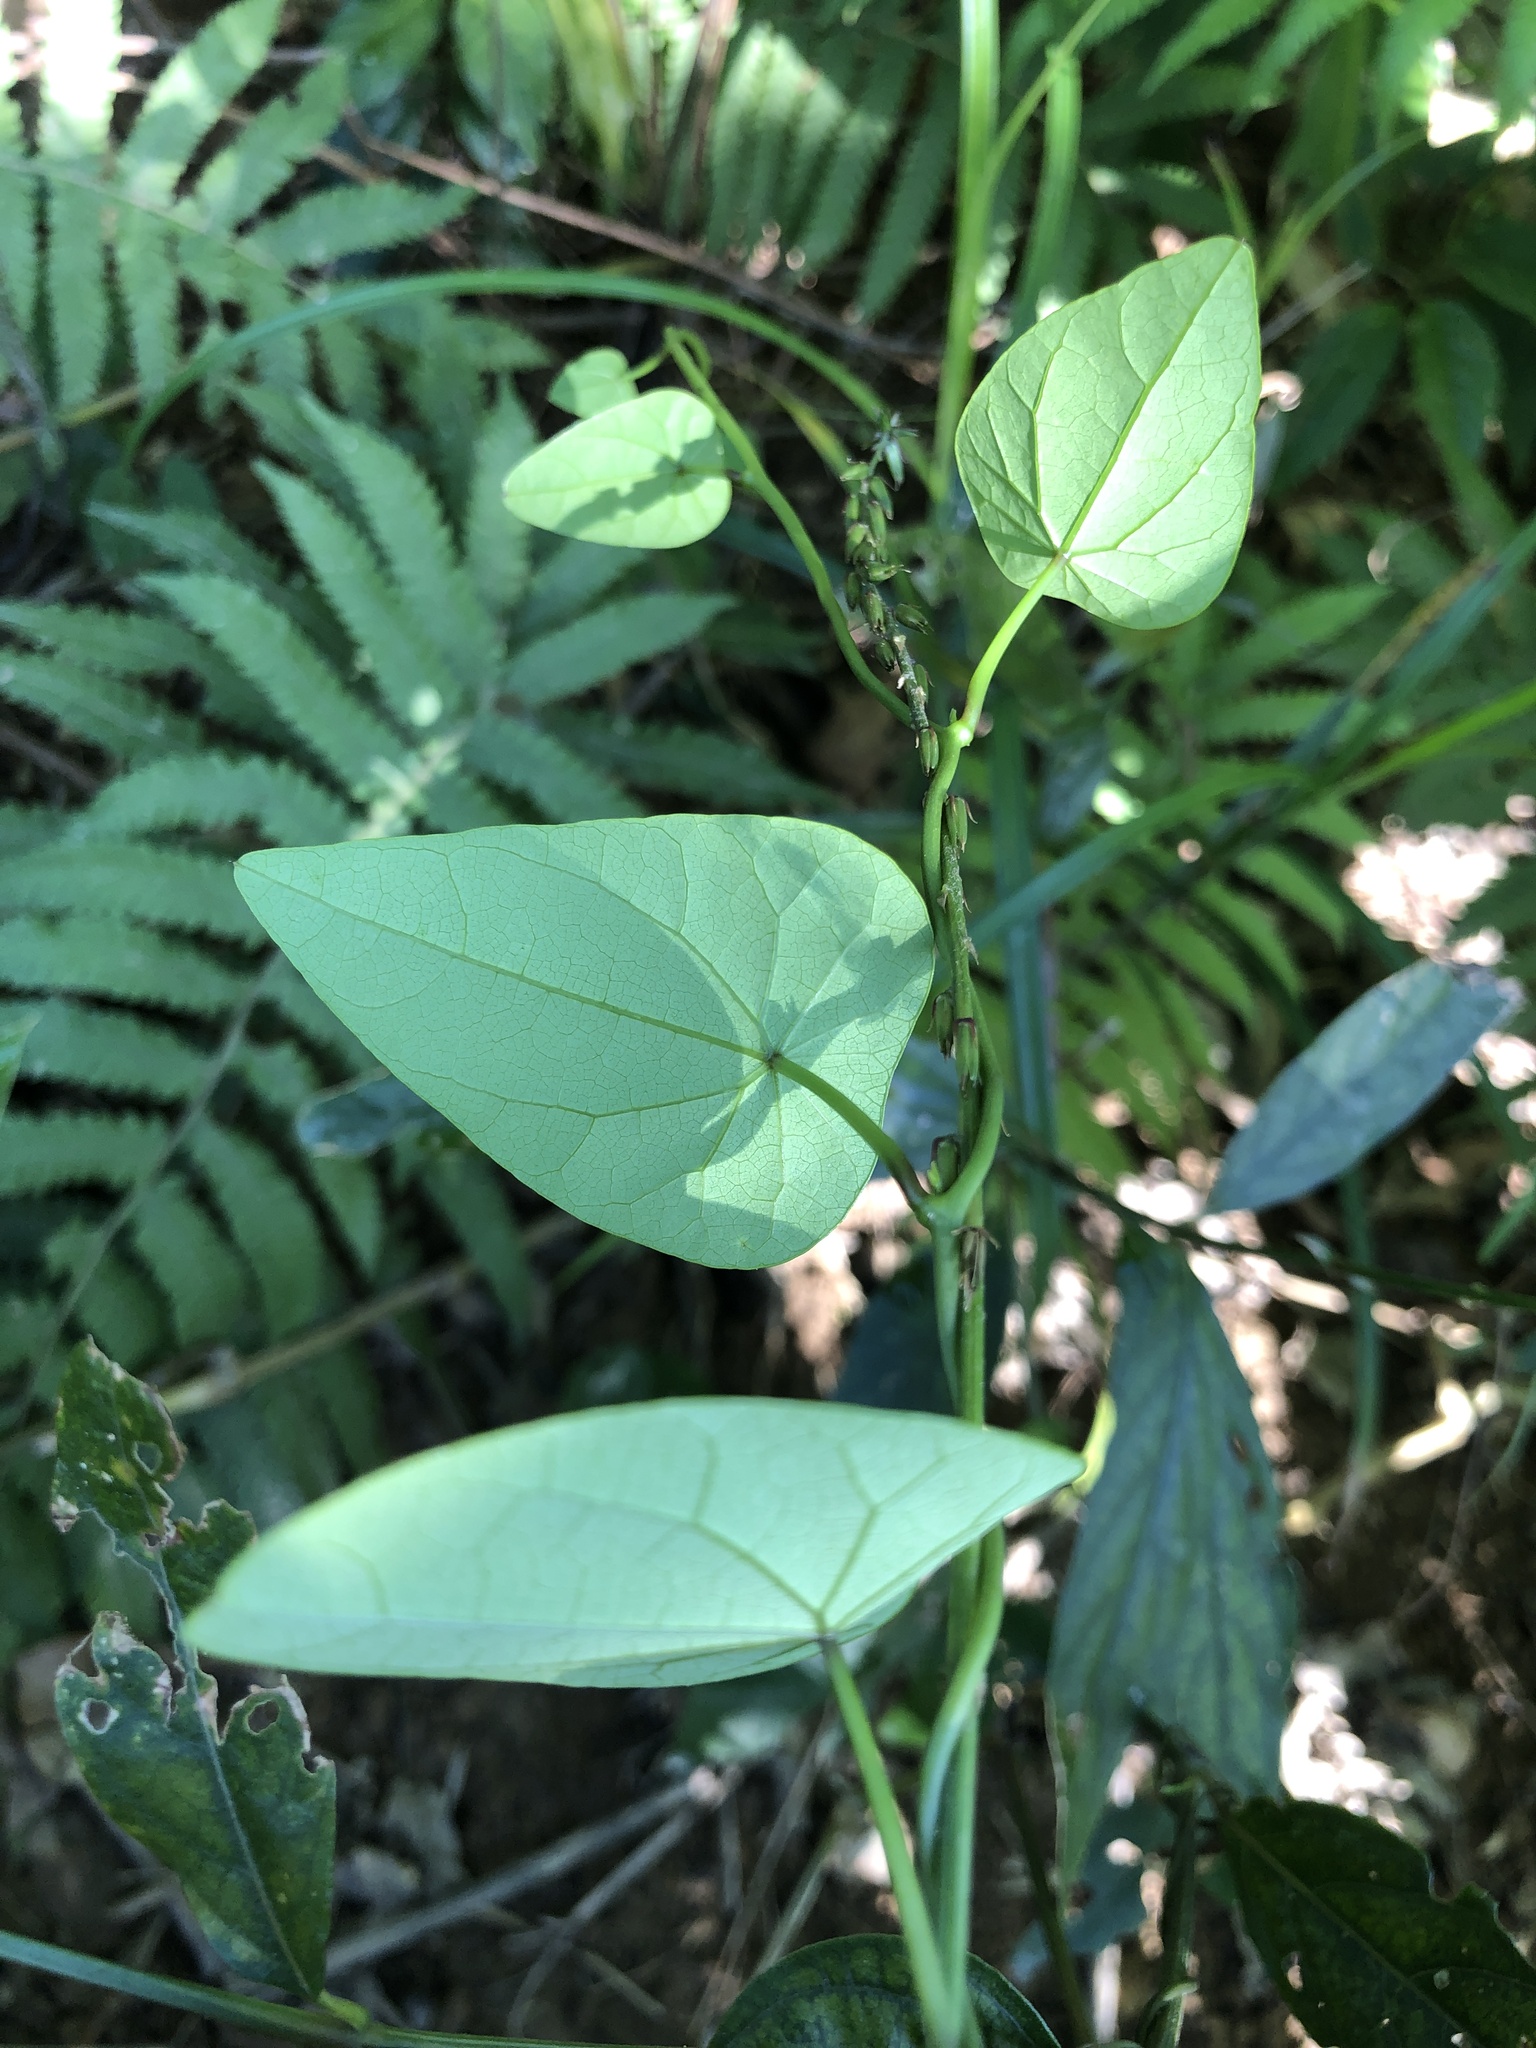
{"x": 349, "y": 219}
{"x": 1109, "y": 454}
{"x": 1363, "y": 1078}
{"x": 675, "y": 1542}
{"x": 191, "y": 93}
{"x": 604, "y": 1007}
{"x": 262, "y": 155}
{"x": 649, "y": 473}
{"x": 593, "y": 382}
{"x": 1177, "y": 1599}
{"x": 607, "y": 641}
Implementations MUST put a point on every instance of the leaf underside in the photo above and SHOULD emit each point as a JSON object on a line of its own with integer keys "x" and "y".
{"x": 669, "y": 1542}
{"x": 599, "y": 1006}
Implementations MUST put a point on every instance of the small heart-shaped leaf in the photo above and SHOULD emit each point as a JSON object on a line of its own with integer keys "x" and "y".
{"x": 648, "y": 473}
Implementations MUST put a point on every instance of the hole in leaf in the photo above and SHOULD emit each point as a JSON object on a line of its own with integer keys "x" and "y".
{"x": 1293, "y": 1970}
{"x": 98, "y": 1716}
{"x": 147, "y": 1455}
{"x": 261, "y": 1716}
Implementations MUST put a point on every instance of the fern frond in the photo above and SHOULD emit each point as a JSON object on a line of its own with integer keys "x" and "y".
{"x": 248, "y": 171}
{"x": 269, "y": 1220}
{"x": 684, "y": 761}
{"x": 1268, "y": 715}
{"x": 857, "y": 153}
{"x": 215, "y": 793}
{"x": 519, "y": 757}
{"x": 65, "y": 1150}
{"x": 1292, "y": 632}
{"x": 154, "y": 885}
{"x": 349, "y": 1189}
{"x": 25, "y": 1324}
{"x": 1255, "y": 927}
{"x": 635, "y": 629}
{"x": 300, "y": 685}
{"x": 110, "y": 1050}
{"x": 569, "y": 580}
{"x": 748, "y": 71}
{"x": 23, "y": 826}
{"x": 406, "y": 519}
{"x": 147, "y": 284}
{"x": 122, "y": 1311}
{"x": 77, "y": 291}
{"x": 1305, "y": 23}
{"x": 1284, "y": 875}
{"x": 349, "y": 219}
{"x": 18, "y": 205}
{"x": 405, "y": 666}
{"x": 191, "y": 94}
{"x": 496, "y": 544}
{"x": 117, "y": 643}
{"x": 1218, "y": 22}
{"x": 780, "y": 80}
{"x": 915, "y": 200}
{"x": 1198, "y": 957}
{"x": 472, "y": 1197}
{"x": 826, "y": 111}
{"x": 117, "y": 716}
{"x": 197, "y": 541}
{"x": 202, "y": 1280}
{"x": 99, "y": 957}
{"x": 351, "y": 371}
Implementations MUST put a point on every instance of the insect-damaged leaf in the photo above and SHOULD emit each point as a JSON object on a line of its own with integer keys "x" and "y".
{"x": 647, "y": 473}
{"x": 1110, "y": 450}
{"x": 856, "y": 1992}
{"x": 115, "y": 1446}
{"x": 606, "y": 1008}
{"x": 1357, "y": 1946}
{"x": 243, "y": 1820}
{"x": 661, "y": 1543}
{"x": 1359, "y": 1081}
{"x": 1177, "y": 1599}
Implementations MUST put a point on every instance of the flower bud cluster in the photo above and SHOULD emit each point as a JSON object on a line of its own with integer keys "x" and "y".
{"x": 866, "y": 517}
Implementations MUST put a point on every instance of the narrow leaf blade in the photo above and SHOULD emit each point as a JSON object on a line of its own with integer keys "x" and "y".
{"x": 1367, "y": 1075}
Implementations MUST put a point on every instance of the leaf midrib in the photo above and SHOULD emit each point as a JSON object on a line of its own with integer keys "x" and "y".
{"x": 1149, "y": 385}
{"x": 530, "y": 981}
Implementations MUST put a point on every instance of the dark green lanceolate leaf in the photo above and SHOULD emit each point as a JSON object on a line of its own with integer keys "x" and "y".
{"x": 668, "y": 1542}
{"x": 240, "y": 1817}
{"x": 115, "y": 1446}
{"x": 243, "y": 1820}
{"x": 15, "y": 1030}
{"x": 1343, "y": 373}
{"x": 1177, "y": 1600}
{"x": 592, "y": 383}
{"x": 607, "y": 1009}
{"x": 1359, "y": 1081}
{"x": 359, "y": 1119}
{"x": 1109, "y": 454}
{"x": 856, "y": 1992}
{"x": 649, "y": 473}
{"x": 1359, "y": 1949}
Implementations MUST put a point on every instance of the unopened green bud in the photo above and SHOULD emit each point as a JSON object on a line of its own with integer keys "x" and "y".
{"x": 855, "y": 538}
{"x": 967, "y": 1052}
{"x": 909, "y": 615}
{"x": 928, "y": 749}
{"x": 944, "y": 1164}
{"x": 858, "y": 473}
{"x": 957, "y": 816}
{"x": 874, "y": 607}
{"x": 853, "y": 590}
{"x": 880, "y": 494}
{"x": 944, "y": 1020}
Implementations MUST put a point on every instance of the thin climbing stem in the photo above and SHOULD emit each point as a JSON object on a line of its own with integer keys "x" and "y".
{"x": 681, "y": 347}
{"x": 928, "y": 1977}
{"x": 1366, "y": 1425}
{"x": 958, "y": 1709}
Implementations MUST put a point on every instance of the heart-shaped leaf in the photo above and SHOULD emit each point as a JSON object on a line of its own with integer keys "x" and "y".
{"x": 649, "y": 473}
{"x": 856, "y": 1992}
{"x": 660, "y": 1543}
{"x": 593, "y": 382}
{"x": 1110, "y": 450}
{"x": 613, "y": 1010}
{"x": 1374, "y": 1067}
